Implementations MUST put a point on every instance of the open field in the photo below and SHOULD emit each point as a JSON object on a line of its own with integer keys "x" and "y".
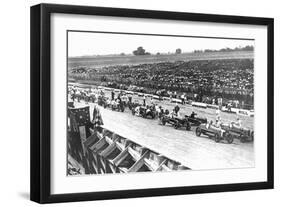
{"x": 100, "y": 61}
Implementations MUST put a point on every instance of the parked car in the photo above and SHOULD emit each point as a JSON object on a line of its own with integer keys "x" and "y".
{"x": 144, "y": 112}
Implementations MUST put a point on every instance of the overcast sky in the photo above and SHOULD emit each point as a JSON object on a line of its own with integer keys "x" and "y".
{"x": 87, "y": 43}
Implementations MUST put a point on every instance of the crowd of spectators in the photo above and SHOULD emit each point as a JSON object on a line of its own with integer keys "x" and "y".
{"x": 203, "y": 80}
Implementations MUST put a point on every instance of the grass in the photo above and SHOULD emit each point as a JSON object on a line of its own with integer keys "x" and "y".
{"x": 100, "y": 61}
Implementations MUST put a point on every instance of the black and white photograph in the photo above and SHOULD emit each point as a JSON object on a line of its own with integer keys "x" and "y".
{"x": 143, "y": 103}
{"x": 129, "y": 103}
{"x": 140, "y": 103}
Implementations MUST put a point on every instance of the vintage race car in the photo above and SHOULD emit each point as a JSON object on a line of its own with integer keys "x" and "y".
{"x": 102, "y": 101}
{"x": 144, "y": 112}
{"x": 117, "y": 107}
{"x": 176, "y": 122}
{"x": 133, "y": 105}
{"x": 196, "y": 121}
{"x": 243, "y": 134}
{"x": 214, "y": 132}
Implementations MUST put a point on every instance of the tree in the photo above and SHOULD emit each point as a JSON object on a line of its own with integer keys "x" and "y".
{"x": 178, "y": 51}
{"x": 140, "y": 51}
{"x": 248, "y": 48}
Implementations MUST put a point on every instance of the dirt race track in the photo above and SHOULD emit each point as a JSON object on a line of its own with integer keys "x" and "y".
{"x": 183, "y": 146}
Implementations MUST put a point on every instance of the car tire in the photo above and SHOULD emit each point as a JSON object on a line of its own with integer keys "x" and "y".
{"x": 217, "y": 138}
{"x": 198, "y": 132}
{"x": 242, "y": 139}
{"x": 229, "y": 138}
{"x": 188, "y": 126}
{"x": 252, "y": 136}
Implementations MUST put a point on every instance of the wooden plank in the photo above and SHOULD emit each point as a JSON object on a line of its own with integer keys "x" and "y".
{"x": 108, "y": 150}
{"x": 120, "y": 157}
{"x": 138, "y": 163}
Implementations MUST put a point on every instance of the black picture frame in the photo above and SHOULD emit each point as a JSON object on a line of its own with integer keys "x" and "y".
{"x": 41, "y": 99}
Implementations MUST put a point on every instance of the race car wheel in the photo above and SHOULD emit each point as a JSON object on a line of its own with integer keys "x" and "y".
{"x": 198, "y": 131}
{"x": 242, "y": 139}
{"x": 188, "y": 126}
{"x": 176, "y": 125}
{"x": 252, "y": 136}
{"x": 217, "y": 138}
{"x": 229, "y": 139}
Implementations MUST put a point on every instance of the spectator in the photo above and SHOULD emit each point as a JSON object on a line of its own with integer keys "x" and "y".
{"x": 217, "y": 114}
{"x": 112, "y": 95}
{"x": 182, "y": 99}
{"x": 130, "y": 98}
{"x": 144, "y": 100}
{"x": 177, "y": 108}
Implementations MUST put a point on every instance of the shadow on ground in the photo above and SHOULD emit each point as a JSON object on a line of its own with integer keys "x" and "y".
{"x": 24, "y": 195}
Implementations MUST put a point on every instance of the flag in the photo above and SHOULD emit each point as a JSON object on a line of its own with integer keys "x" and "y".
{"x": 79, "y": 117}
{"x": 80, "y": 124}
